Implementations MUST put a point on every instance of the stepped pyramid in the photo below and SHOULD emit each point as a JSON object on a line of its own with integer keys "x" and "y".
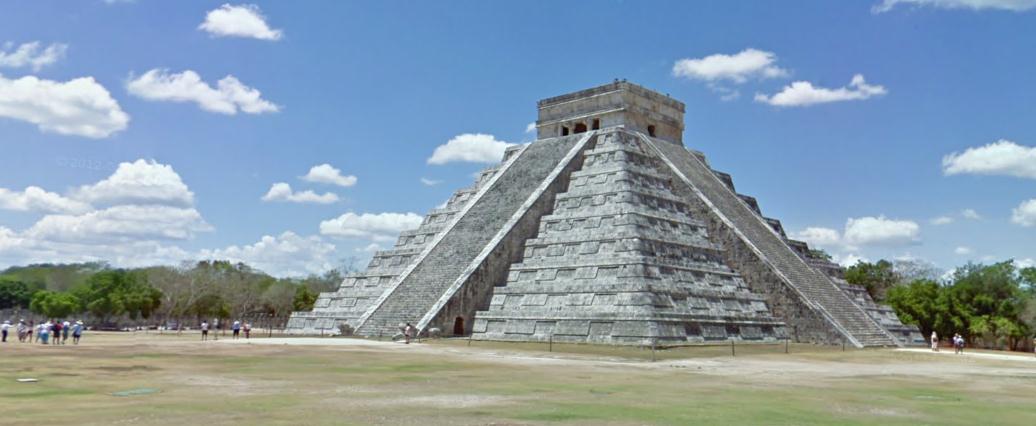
{"x": 606, "y": 229}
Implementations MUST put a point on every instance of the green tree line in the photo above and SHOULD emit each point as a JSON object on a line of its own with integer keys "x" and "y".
{"x": 181, "y": 294}
{"x": 992, "y": 306}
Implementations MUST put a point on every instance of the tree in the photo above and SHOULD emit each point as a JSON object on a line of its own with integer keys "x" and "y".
{"x": 15, "y": 294}
{"x": 118, "y": 292}
{"x": 917, "y": 303}
{"x": 304, "y": 298}
{"x": 54, "y": 305}
{"x": 877, "y": 278}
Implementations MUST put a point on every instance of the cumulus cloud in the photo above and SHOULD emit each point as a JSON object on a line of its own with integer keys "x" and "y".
{"x": 80, "y": 106}
{"x": 282, "y": 192}
{"x": 1003, "y": 158}
{"x": 121, "y": 223}
{"x": 286, "y": 255}
{"x": 819, "y": 237}
{"x": 970, "y": 214}
{"x": 132, "y": 218}
{"x": 324, "y": 173}
{"x": 470, "y": 147}
{"x": 880, "y": 231}
{"x": 228, "y": 97}
{"x": 139, "y": 182}
{"x": 962, "y": 251}
{"x": 375, "y": 226}
{"x": 848, "y": 259}
{"x": 34, "y": 198}
{"x": 1010, "y": 5}
{"x": 737, "y": 68}
{"x": 244, "y": 20}
{"x": 803, "y": 93}
{"x": 1025, "y": 213}
{"x": 31, "y": 54}
{"x": 430, "y": 182}
{"x": 941, "y": 220}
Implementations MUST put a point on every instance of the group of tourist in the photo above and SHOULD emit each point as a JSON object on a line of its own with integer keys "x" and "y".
{"x": 48, "y": 333}
{"x": 237, "y": 327}
{"x": 958, "y": 343}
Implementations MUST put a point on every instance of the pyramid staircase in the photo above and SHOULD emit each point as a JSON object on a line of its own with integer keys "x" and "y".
{"x": 621, "y": 260}
{"x": 468, "y": 239}
{"x": 814, "y": 288}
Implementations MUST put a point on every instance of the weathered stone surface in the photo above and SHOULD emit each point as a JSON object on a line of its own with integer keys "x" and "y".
{"x": 613, "y": 234}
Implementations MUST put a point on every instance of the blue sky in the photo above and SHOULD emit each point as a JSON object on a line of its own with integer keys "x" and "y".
{"x": 154, "y": 131}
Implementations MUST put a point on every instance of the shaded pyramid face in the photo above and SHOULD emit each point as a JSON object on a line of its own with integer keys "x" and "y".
{"x": 360, "y": 290}
{"x": 621, "y": 259}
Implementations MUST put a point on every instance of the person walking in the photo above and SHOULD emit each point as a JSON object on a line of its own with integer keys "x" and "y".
{"x": 407, "y": 332}
{"x": 44, "y": 332}
{"x": 77, "y": 332}
{"x": 248, "y": 330}
{"x": 236, "y": 328}
{"x": 4, "y": 330}
{"x": 935, "y": 342}
{"x": 204, "y": 330}
{"x": 65, "y": 326}
{"x": 23, "y": 330}
{"x": 57, "y": 332}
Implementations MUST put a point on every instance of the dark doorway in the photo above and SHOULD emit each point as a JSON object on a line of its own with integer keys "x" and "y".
{"x": 580, "y": 128}
{"x": 596, "y": 125}
{"x": 564, "y": 131}
{"x": 458, "y": 326}
{"x": 651, "y": 131}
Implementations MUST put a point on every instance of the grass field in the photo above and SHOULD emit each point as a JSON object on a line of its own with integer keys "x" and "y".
{"x": 179, "y": 380}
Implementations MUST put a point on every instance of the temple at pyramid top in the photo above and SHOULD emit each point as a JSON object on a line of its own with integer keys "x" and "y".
{"x": 615, "y": 104}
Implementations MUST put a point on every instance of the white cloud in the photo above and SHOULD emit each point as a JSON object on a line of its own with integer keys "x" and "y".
{"x": 737, "y": 68}
{"x": 880, "y": 231}
{"x": 324, "y": 173}
{"x": 941, "y": 220}
{"x": 370, "y": 248}
{"x": 139, "y": 182}
{"x": 530, "y": 128}
{"x": 470, "y": 147}
{"x": 282, "y": 192}
{"x": 80, "y": 106}
{"x": 962, "y": 251}
{"x": 803, "y": 93}
{"x": 1025, "y": 213}
{"x": 143, "y": 206}
{"x": 1003, "y": 157}
{"x": 374, "y": 226}
{"x": 229, "y": 96}
{"x": 244, "y": 20}
{"x": 121, "y": 223}
{"x": 285, "y": 255}
{"x": 848, "y": 259}
{"x": 819, "y": 237}
{"x": 970, "y": 214}
{"x": 34, "y": 198}
{"x": 31, "y": 55}
{"x": 1011, "y": 5}
{"x": 1025, "y": 263}
{"x": 430, "y": 182}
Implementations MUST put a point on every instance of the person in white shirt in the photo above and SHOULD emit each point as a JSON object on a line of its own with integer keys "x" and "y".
{"x": 204, "y": 330}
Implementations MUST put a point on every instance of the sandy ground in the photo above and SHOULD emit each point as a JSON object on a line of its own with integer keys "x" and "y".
{"x": 972, "y": 354}
{"x": 775, "y": 368}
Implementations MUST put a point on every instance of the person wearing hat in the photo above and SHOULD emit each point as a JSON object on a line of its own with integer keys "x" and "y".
{"x": 3, "y": 331}
{"x": 23, "y": 330}
{"x": 77, "y": 331}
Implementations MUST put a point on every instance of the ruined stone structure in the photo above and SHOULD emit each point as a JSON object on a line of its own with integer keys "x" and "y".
{"x": 606, "y": 229}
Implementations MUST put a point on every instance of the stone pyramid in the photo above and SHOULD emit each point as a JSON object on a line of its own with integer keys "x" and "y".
{"x": 605, "y": 230}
